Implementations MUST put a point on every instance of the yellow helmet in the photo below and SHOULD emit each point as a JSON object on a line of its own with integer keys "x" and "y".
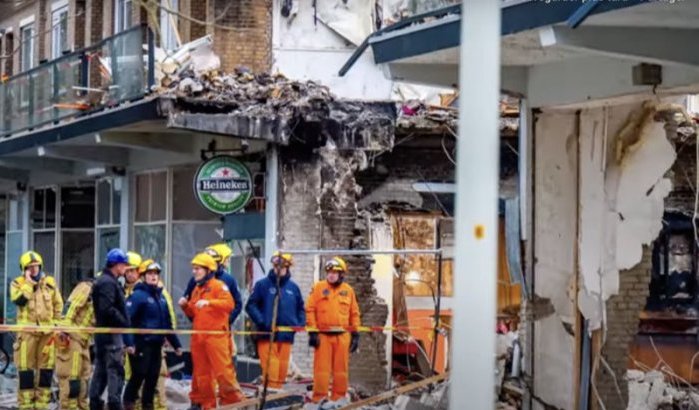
{"x": 284, "y": 259}
{"x": 205, "y": 261}
{"x": 336, "y": 264}
{"x": 29, "y": 259}
{"x": 134, "y": 259}
{"x": 220, "y": 252}
{"x": 149, "y": 265}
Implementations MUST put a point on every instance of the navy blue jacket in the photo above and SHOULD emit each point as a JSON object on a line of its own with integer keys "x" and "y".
{"x": 290, "y": 312}
{"x": 232, "y": 284}
{"x": 148, "y": 309}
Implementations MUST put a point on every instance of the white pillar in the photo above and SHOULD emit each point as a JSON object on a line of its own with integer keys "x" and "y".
{"x": 271, "y": 203}
{"x": 477, "y": 178}
{"x": 125, "y": 210}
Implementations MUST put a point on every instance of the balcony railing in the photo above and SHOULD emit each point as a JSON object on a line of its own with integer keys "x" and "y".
{"x": 115, "y": 70}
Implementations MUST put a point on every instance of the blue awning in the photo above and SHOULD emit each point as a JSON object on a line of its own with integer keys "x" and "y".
{"x": 441, "y": 29}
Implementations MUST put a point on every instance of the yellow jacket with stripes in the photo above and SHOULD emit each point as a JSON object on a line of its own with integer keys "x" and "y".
{"x": 79, "y": 310}
{"x": 37, "y": 303}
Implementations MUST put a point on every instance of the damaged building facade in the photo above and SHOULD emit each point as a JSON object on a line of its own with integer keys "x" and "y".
{"x": 109, "y": 107}
{"x": 607, "y": 191}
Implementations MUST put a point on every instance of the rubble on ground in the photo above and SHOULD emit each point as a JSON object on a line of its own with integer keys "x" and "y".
{"x": 509, "y": 388}
{"x": 656, "y": 391}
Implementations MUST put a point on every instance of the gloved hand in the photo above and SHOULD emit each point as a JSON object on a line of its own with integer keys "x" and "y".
{"x": 313, "y": 340}
{"x": 354, "y": 344}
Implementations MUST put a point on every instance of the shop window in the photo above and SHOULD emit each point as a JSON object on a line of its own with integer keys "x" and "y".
{"x": 107, "y": 239}
{"x": 43, "y": 214}
{"x": 45, "y": 244}
{"x": 77, "y": 258}
{"x": 108, "y": 209}
{"x": 150, "y": 242}
{"x": 673, "y": 285}
{"x": 185, "y": 206}
{"x": 78, "y": 207}
{"x": 151, "y": 197}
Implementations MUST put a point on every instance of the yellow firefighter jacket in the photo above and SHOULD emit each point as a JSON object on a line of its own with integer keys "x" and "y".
{"x": 79, "y": 310}
{"x": 37, "y": 303}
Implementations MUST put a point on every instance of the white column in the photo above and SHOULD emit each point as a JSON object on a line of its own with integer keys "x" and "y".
{"x": 271, "y": 203}
{"x": 477, "y": 178}
{"x": 125, "y": 209}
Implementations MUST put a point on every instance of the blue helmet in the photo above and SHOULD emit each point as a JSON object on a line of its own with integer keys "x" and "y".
{"x": 116, "y": 256}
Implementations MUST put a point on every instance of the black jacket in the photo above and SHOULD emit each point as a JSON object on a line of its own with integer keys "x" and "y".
{"x": 110, "y": 306}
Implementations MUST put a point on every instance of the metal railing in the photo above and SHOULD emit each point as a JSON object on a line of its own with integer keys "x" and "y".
{"x": 117, "y": 69}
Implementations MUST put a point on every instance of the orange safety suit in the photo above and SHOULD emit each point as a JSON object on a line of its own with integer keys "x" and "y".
{"x": 211, "y": 353}
{"x": 331, "y": 307}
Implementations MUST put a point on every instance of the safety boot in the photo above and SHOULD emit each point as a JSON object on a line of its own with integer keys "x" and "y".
{"x": 194, "y": 406}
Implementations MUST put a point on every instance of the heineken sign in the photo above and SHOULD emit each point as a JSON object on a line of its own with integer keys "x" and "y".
{"x": 223, "y": 185}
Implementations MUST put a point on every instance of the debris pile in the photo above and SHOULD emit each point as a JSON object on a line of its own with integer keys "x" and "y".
{"x": 509, "y": 388}
{"x": 652, "y": 391}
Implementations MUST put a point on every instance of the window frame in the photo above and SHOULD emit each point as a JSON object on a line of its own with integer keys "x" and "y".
{"x": 122, "y": 15}
{"x": 58, "y": 9}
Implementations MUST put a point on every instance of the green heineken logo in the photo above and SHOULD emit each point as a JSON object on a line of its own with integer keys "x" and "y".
{"x": 223, "y": 185}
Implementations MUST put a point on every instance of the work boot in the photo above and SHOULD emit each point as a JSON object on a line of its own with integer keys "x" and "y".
{"x": 195, "y": 407}
{"x": 129, "y": 406}
{"x": 337, "y": 404}
{"x": 311, "y": 406}
{"x": 96, "y": 405}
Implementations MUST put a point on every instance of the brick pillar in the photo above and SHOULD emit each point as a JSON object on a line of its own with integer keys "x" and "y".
{"x": 79, "y": 24}
{"x": 42, "y": 28}
{"x": 622, "y": 326}
{"x": 197, "y": 11}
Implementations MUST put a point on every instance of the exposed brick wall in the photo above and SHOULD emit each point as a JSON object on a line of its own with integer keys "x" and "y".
{"x": 248, "y": 42}
{"x": 622, "y": 325}
{"x": 303, "y": 226}
{"x": 299, "y": 228}
{"x": 197, "y": 11}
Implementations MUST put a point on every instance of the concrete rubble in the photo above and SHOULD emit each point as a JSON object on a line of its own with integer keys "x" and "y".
{"x": 653, "y": 391}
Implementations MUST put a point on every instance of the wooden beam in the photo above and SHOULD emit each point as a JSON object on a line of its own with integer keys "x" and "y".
{"x": 397, "y": 391}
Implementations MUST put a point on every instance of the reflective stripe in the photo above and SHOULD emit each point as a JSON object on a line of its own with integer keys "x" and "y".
{"x": 75, "y": 369}
{"x": 23, "y": 355}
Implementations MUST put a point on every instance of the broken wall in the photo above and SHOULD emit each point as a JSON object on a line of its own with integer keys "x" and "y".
{"x": 555, "y": 199}
{"x": 306, "y": 48}
{"x": 318, "y": 211}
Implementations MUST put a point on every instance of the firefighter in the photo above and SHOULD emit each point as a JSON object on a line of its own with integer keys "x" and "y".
{"x": 222, "y": 255}
{"x": 132, "y": 275}
{"x": 148, "y": 309}
{"x": 332, "y": 308}
{"x": 110, "y": 312}
{"x": 73, "y": 366}
{"x": 209, "y": 307}
{"x": 274, "y": 357}
{"x": 38, "y": 302}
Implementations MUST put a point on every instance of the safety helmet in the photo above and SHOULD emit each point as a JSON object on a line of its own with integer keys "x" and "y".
{"x": 116, "y": 256}
{"x": 149, "y": 265}
{"x": 284, "y": 259}
{"x": 336, "y": 264}
{"x": 134, "y": 259}
{"x": 30, "y": 258}
{"x": 205, "y": 261}
{"x": 220, "y": 252}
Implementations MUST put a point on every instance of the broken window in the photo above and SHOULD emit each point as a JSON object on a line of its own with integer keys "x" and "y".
{"x": 673, "y": 285}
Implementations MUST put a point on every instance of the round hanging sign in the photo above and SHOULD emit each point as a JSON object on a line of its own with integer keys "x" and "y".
{"x": 223, "y": 185}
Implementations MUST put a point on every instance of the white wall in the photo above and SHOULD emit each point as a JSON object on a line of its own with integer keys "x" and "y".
{"x": 304, "y": 50}
{"x": 555, "y": 241}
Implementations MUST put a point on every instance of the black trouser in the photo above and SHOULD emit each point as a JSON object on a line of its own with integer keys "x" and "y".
{"x": 145, "y": 370}
{"x": 109, "y": 373}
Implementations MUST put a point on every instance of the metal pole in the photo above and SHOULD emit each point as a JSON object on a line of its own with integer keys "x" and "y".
{"x": 362, "y": 252}
{"x": 438, "y": 300}
{"x": 476, "y": 234}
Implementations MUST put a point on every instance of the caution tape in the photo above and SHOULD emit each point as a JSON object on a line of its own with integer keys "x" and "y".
{"x": 295, "y": 329}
